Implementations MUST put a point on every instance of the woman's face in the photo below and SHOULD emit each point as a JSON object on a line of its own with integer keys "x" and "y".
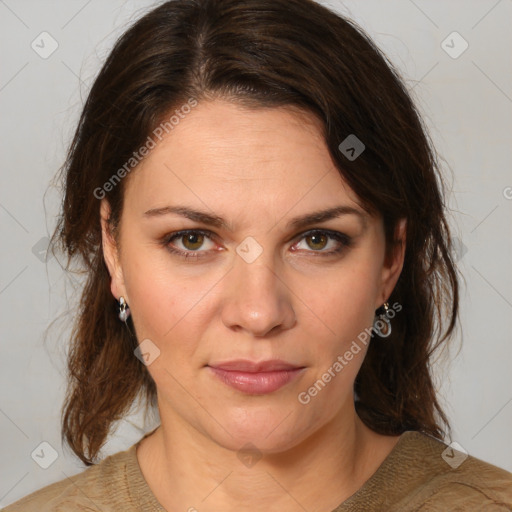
{"x": 256, "y": 285}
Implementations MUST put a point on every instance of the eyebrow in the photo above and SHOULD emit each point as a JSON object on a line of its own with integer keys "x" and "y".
{"x": 296, "y": 223}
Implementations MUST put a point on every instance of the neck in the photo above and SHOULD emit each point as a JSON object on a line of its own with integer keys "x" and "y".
{"x": 187, "y": 470}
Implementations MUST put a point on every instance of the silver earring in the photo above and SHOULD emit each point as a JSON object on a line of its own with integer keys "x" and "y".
{"x": 382, "y": 324}
{"x": 124, "y": 310}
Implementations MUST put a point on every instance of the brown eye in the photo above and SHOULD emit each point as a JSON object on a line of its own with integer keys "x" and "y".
{"x": 189, "y": 243}
{"x": 319, "y": 241}
{"x": 192, "y": 241}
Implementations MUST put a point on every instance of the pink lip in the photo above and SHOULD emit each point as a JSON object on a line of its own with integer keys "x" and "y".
{"x": 255, "y": 378}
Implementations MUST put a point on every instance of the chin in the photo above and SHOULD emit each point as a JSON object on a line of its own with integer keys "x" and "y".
{"x": 266, "y": 432}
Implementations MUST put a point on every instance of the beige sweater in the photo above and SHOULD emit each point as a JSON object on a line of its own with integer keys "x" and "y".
{"x": 418, "y": 475}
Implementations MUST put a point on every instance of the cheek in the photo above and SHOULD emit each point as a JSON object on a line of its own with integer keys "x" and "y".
{"x": 344, "y": 305}
{"x": 341, "y": 334}
{"x": 163, "y": 302}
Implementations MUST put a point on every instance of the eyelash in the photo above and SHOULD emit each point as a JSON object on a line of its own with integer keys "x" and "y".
{"x": 344, "y": 240}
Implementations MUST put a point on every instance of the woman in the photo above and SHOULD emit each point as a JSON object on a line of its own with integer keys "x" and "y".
{"x": 261, "y": 216}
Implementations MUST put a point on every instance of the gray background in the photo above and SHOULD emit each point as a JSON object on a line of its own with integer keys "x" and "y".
{"x": 466, "y": 102}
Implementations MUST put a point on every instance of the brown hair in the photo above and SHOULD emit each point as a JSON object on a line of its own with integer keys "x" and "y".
{"x": 261, "y": 53}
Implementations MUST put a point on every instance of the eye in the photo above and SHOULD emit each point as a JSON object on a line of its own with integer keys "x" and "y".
{"x": 193, "y": 240}
{"x": 190, "y": 240}
{"x": 318, "y": 240}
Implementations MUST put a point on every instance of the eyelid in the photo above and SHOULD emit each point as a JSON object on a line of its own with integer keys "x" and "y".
{"x": 342, "y": 238}
{"x": 338, "y": 236}
{"x": 166, "y": 240}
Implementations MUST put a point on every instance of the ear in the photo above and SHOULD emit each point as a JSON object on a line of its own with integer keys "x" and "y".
{"x": 111, "y": 253}
{"x": 393, "y": 263}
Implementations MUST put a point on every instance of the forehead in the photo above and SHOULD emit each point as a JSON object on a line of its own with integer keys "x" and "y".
{"x": 221, "y": 154}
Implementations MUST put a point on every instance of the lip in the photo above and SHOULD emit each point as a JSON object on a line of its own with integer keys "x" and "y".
{"x": 255, "y": 377}
{"x": 244, "y": 365}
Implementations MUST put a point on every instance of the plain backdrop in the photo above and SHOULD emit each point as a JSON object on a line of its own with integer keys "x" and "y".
{"x": 455, "y": 58}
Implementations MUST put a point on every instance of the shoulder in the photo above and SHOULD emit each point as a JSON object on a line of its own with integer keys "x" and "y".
{"x": 100, "y": 487}
{"x": 424, "y": 474}
{"x": 444, "y": 476}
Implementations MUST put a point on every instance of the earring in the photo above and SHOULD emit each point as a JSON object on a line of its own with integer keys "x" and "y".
{"x": 381, "y": 324}
{"x": 124, "y": 310}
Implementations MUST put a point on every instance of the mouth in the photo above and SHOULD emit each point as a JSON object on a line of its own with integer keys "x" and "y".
{"x": 255, "y": 377}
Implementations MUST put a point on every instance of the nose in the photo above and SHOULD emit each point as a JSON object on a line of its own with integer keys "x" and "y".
{"x": 257, "y": 299}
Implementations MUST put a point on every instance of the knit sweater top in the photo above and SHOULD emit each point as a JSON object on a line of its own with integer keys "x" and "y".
{"x": 421, "y": 473}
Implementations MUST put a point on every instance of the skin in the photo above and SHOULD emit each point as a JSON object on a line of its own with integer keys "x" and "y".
{"x": 257, "y": 169}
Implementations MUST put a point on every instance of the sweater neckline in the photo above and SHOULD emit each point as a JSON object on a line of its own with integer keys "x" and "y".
{"x": 143, "y": 496}
{"x": 379, "y": 479}
{"x": 138, "y": 487}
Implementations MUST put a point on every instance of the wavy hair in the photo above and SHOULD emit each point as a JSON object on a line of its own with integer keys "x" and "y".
{"x": 259, "y": 53}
